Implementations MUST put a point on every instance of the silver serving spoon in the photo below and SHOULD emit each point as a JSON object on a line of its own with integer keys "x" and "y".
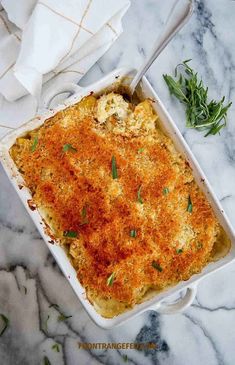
{"x": 178, "y": 17}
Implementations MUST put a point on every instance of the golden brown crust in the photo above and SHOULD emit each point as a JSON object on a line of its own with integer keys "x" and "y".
{"x": 78, "y": 192}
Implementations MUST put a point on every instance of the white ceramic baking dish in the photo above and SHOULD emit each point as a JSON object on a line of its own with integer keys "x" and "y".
{"x": 158, "y": 302}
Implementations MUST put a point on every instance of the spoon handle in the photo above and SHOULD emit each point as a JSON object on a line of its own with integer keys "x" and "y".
{"x": 177, "y": 18}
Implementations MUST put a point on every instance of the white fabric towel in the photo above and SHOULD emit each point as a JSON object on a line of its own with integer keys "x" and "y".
{"x": 40, "y": 39}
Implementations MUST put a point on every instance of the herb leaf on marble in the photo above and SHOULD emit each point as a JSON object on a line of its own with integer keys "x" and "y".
{"x": 56, "y": 347}
{"x": 5, "y": 323}
{"x": 201, "y": 114}
{"x": 46, "y": 361}
{"x": 62, "y": 317}
{"x": 125, "y": 358}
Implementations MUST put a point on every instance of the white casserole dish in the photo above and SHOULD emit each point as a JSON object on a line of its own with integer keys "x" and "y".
{"x": 158, "y": 301}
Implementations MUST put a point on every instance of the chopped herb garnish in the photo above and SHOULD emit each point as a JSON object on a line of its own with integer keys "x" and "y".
{"x": 139, "y": 195}
{"x": 84, "y": 212}
{"x": 55, "y": 347}
{"x": 68, "y": 147}
{"x": 34, "y": 145}
{"x": 166, "y": 191}
{"x": 46, "y": 361}
{"x": 156, "y": 266}
{"x": 201, "y": 114}
{"x": 133, "y": 233}
{"x": 125, "y": 358}
{"x": 179, "y": 250}
{"x": 84, "y": 216}
{"x": 5, "y": 323}
{"x": 140, "y": 150}
{"x": 111, "y": 279}
{"x": 62, "y": 317}
{"x": 70, "y": 234}
{"x": 114, "y": 168}
{"x": 54, "y": 306}
{"x": 190, "y": 205}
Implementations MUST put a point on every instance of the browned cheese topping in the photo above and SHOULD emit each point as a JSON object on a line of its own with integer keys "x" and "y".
{"x": 116, "y": 192}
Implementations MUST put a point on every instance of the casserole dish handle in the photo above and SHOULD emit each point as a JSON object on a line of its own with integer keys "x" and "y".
{"x": 180, "y": 305}
{"x": 69, "y": 87}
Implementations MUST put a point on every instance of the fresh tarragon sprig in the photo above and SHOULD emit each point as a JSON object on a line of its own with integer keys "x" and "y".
{"x": 200, "y": 114}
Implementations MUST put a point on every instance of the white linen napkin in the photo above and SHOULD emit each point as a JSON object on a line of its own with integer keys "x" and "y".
{"x": 40, "y": 39}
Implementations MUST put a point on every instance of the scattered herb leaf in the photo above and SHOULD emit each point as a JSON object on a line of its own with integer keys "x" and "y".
{"x": 140, "y": 150}
{"x": 114, "y": 168}
{"x": 125, "y": 358}
{"x": 5, "y": 323}
{"x": 55, "y": 347}
{"x": 190, "y": 205}
{"x": 166, "y": 191}
{"x": 84, "y": 216}
{"x": 62, "y": 317}
{"x": 139, "y": 195}
{"x": 156, "y": 266}
{"x": 69, "y": 147}
{"x": 34, "y": 145}
{"x": 133, "y": 233}
{"x": 179, "y": 251}
{"x": 201, "y": 114}
{"x": 84, "y": 212}
{"x": 71, "y": 234}
{"x": 46, "y": 361}
{"x": 111, "y": 279}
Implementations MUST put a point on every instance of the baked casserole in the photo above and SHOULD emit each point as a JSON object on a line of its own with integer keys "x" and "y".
{"x": 119, "y": 197}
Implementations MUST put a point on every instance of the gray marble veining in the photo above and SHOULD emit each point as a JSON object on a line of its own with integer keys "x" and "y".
{"x": 30, "y": 280}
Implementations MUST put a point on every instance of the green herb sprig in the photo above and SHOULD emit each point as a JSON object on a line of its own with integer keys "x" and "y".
{"x": 114, "y": 168}
{"x": 133, "y": 233}
{"x": 201, "y": 114}
{"x": 111, "y": 279}
{"x": 190, "y": 205}
{"x": 179, "y": 251}
{"x": 34, "y": 145}
{"x": 84, "y": 216}
{"x": 70, "y": 234}
{"x": 56, "y": 347}
{"x": 156, "y": 266}
{"x": 46, "y": 361}
{"x": 139, "y": 198}
{"x": 62, "y": 317}
{"x": 69, "y": 147}
{"x": 166, "y": 191}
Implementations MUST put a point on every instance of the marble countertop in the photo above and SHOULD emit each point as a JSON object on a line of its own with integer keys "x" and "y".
{"x": 30, "y": 280}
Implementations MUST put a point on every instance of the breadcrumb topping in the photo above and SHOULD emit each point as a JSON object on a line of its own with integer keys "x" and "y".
{"x": 124, "y": 235}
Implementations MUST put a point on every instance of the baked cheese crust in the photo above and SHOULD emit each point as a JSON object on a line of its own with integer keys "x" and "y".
{"x": 120, "y": 198}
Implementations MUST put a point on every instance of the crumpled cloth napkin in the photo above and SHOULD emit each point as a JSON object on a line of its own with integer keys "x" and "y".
{"x": 40, "y": 39}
